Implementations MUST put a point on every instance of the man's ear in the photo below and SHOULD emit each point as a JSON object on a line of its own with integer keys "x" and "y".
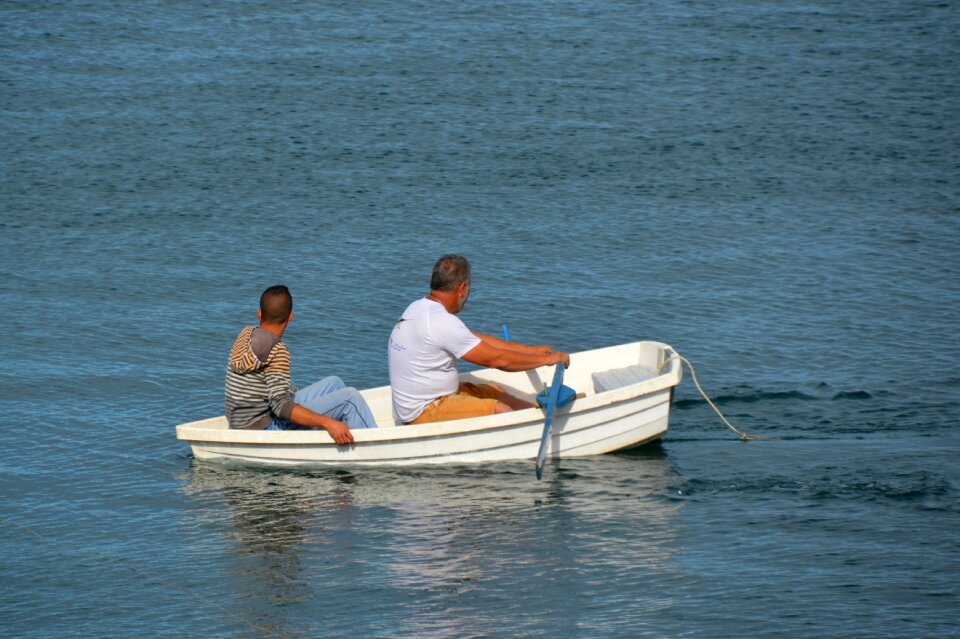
{"x": 260, "y": 315}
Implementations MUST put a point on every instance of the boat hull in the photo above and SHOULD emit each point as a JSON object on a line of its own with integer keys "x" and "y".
{"x": 595, "y": 423}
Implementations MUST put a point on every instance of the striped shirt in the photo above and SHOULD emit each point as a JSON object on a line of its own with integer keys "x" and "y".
{"x": 257, "y": 386}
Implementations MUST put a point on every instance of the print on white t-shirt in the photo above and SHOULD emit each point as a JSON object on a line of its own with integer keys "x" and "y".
{"x": 422, "y": 353}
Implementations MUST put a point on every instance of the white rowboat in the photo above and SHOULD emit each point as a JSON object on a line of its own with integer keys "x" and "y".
{"x": 623, "y": 401}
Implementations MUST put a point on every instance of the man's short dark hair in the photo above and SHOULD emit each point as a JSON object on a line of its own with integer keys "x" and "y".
{"x": 276, "y": 304}
{"x": 449, "y": 271}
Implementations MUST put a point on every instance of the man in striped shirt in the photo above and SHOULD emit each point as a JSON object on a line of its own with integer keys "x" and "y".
{"x": 259, "y": 394}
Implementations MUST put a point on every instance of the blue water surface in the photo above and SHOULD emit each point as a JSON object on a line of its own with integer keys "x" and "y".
{"x": 770, "y": 187}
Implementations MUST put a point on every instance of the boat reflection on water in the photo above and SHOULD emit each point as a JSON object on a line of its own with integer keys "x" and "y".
{"x": 261, "y": 527}
{"x": 426, "y": 538}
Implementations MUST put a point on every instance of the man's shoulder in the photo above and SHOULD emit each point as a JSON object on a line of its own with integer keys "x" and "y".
{"x": 418, "y": 306}
{"x": 264, "y": 344}
{"x": 256, "y": 349}
{"x": 244, "y": 334}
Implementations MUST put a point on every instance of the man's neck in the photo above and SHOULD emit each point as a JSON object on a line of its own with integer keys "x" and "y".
{"x": 276, "y": 329}
{"x": 446, "y": 299}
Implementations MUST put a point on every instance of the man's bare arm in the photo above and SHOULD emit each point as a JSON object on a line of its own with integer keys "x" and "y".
{"x": 513, "y": 346}
{"x": 339, "y": 431}
{"x": 486, "y": 354}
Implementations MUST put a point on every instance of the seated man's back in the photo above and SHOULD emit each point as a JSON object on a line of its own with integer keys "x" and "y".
{"x": 424, "y": 348}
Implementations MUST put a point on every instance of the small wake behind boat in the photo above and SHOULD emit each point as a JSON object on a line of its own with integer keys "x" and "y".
{"x": 623, "y": 401}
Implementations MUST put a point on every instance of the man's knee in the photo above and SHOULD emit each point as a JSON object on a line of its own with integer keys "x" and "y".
{"x": 349, "y": 394}
{"x": 502, "y": 408}
{"x": 333, "y": 382}
{"x": 317, "y": 389}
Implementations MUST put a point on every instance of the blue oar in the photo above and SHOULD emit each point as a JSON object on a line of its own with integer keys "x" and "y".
{"x": 551, "y": 408}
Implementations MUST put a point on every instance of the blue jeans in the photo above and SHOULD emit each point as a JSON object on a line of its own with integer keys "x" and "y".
{"x": 331, "y": 398}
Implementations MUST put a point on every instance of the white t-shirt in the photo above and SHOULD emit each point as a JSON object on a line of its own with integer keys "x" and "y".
{"x": 423, "y": 352}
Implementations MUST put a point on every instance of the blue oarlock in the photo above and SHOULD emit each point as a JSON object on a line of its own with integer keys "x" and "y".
{"x": 564, "y": 396}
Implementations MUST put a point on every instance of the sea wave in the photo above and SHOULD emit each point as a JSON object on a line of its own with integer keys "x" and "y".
{"x": 925, "y": 490}
{"x": 752, "y": 396}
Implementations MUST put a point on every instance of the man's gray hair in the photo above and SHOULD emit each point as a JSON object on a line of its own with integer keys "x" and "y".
{"x": 449, "y": 271}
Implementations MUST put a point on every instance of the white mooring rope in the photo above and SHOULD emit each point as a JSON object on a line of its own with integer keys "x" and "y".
{"x": 743, "y": 436}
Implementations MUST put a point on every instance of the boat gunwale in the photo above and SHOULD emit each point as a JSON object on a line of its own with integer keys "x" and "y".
{"x": 214, "y": 429}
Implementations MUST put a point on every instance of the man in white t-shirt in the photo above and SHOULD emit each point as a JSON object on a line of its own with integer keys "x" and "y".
{"x": 429, "y": 339}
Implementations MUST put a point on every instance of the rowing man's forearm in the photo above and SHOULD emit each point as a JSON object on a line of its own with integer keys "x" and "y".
{"x": 513, "y": 346}
{"x": 486, "y": 354}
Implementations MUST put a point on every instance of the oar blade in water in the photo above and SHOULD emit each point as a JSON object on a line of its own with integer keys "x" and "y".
{"x": 548, "y": 418}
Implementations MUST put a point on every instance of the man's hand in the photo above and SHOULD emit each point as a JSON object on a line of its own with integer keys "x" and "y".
{"x": 563, "y": 358}
{"x": 340, "y": 432}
